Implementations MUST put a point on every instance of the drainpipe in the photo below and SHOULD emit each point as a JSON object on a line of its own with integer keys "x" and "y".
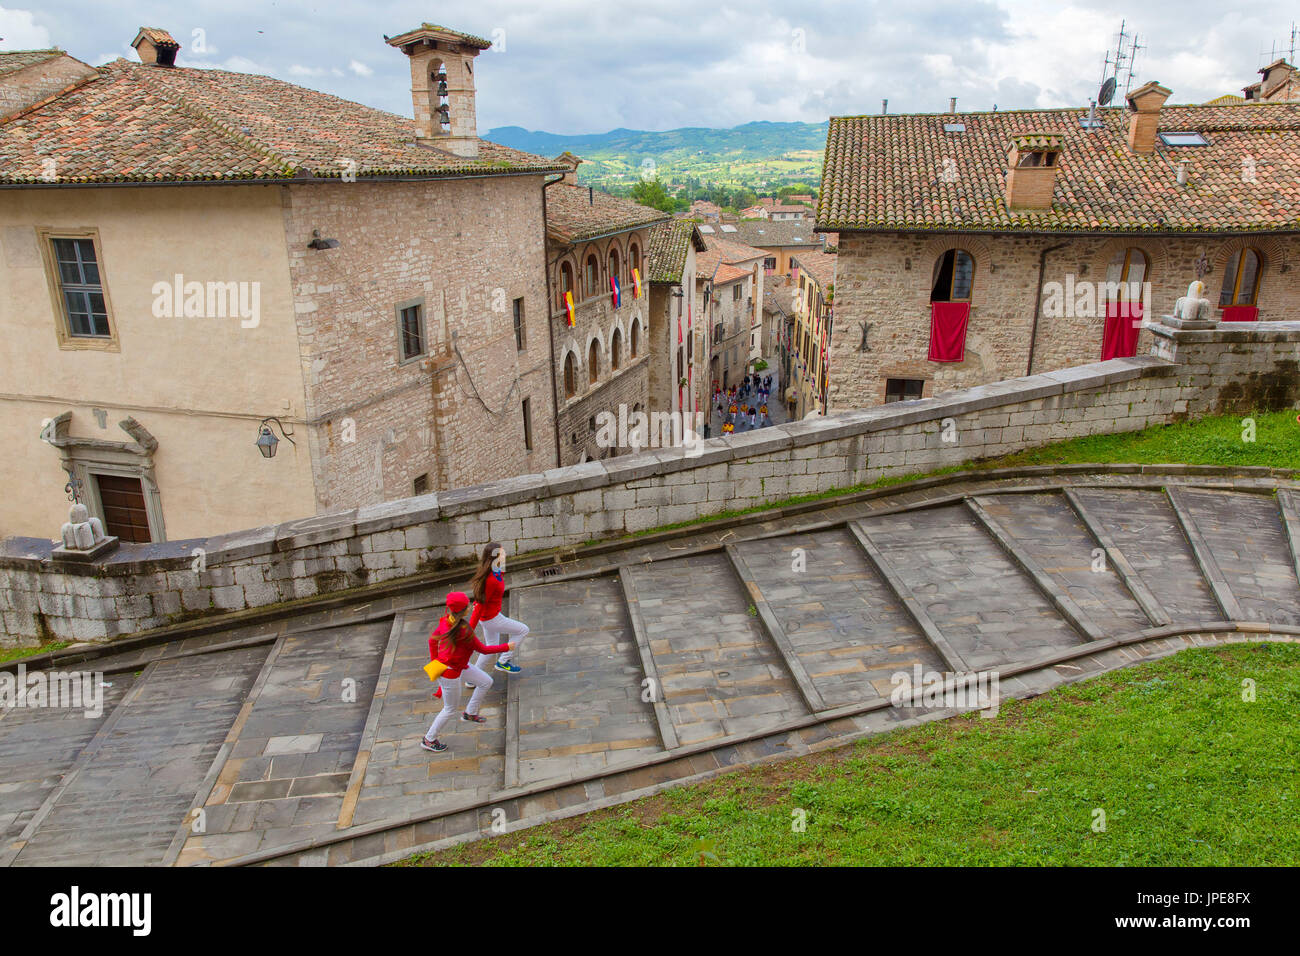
{"x": 550, "y": 331}
{"x": 1038, "y": 302}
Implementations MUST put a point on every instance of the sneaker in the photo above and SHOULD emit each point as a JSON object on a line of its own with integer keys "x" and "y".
{"x": 437, "y": 746}
{"x": 474, "y": 717}
{"x": 468, "y": 685}
{"x": 507, "y": 667}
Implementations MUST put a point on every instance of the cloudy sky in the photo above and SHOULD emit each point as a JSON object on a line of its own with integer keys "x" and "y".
{"x": 585, "y": 66}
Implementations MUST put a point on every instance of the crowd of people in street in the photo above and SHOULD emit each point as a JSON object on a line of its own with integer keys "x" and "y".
{"x": 743, "y": 406}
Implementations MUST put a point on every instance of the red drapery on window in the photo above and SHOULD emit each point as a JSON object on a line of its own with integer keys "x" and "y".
{"x": 1119, "y": 338}
{"x": 948, "y": 331}
{"x": 1240, "y": 313}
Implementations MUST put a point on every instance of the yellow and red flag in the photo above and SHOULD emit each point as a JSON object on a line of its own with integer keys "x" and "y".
{"x": 636, "y": 283}
{"x": 568, "y": 307}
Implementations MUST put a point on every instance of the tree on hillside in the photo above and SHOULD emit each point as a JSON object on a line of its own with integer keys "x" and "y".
{"x": 651, "y": 192}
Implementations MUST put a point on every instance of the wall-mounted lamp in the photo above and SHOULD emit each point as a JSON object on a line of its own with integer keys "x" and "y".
{"x": 318, "y": 243}
{"x": 266, "y": 440}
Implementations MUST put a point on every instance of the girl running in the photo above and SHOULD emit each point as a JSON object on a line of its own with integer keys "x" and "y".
{"x": 451, "y": 643}
{"x": 489, "y": 587}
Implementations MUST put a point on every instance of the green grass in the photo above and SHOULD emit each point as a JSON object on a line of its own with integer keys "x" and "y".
{"x": 16, "y": 653}
{"x": 1186, "y": 772}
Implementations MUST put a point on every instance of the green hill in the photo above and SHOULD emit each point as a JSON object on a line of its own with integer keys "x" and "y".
{"x": 756, "y": 155}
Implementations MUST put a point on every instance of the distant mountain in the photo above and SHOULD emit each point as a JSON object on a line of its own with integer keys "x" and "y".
{"x": 759, "y": 140}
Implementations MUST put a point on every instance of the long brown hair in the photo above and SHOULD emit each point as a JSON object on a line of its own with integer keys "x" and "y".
{"x": 478, "y": 583}
{"x": 458, "y": 632}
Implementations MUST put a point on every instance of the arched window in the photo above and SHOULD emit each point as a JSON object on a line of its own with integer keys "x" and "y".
{"x": 566, "y": 281}
{"x": 634, "y": 257}
{"x": 954, "y": 274}
{"x": 616, "y": 350}
{"x": 593, "y": 362}
{"x": 636, "y": 335}
{"x": 1241, "y": 278}
{"x": 592, "y": 276}
{"x": 570, "y": 376}
{"x": 1126, "y": 272}
{"x": 613, "y": 264}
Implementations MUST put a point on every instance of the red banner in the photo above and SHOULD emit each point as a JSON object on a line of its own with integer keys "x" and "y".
{"x": 1240, "y": 313}
{"x": 948, "y": 331}
{"x": 1119, "y": 337}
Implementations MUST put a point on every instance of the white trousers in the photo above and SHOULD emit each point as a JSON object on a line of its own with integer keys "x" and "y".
{"x": 482, "y": 682}
{"x": 501, "y": 630}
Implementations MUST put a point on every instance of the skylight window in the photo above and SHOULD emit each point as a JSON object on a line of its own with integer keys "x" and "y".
{"x": 706, "y": 229}
{"x": 1090, "y": 122}
{"x": 954, "y": 127}
{"x": 1184, "y": 139}
{"x": 728, "y": 228}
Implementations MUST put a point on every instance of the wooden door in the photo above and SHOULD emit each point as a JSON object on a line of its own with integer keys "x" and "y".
{"x": 124, "y": 512}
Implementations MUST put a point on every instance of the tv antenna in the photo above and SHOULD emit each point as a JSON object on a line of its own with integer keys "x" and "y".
{"x": 1119, "y": 65}
{"x": 1289, "y": 44}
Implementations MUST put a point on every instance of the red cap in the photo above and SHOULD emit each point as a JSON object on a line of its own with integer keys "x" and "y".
{"x": 457, "y": 601}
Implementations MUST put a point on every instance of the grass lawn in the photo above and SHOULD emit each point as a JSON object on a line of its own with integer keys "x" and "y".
{"x": 14, "y": 653}
{"x": 1186, "y": 772}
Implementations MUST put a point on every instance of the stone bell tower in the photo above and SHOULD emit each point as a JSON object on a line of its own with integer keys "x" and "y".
{"x": 442, "y": 86}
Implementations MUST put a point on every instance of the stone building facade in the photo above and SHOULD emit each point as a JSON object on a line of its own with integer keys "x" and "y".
{"x": 1050, "y": 231}
{"x": 672, "y": 265}
{"x": 729, "y": 294}
{"x": 400, "y": 341}
{"x": 599, "y": 317}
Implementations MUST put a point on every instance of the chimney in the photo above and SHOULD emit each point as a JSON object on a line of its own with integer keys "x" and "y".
{"x": 952, "y": 104}
{"x": 442, "y": 86}
{"x": 1032, "y": 166}
{"x": 1145, "y": 102}
{"x": 884, "y": 107}
{"x": 573, "y": 162}
{"x": 155, "y": 47}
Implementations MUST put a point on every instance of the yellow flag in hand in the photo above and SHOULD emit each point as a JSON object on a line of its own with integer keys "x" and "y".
{"x": 434, "y": 669}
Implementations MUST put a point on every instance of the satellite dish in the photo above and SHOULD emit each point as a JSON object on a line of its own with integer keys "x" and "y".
{"x": 1107, "y": 92}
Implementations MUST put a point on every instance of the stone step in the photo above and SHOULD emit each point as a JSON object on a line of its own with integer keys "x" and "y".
{"x": 287, "y": 769}
{"x": 848, "y": 629}
{"x": 579, "y": 700}
{"x": 720, "y": 673}
{"x": 1246, "y": 535}
{"x": 985, "y": 606}
{"x": 133, "y": 787}
{"x": 1144, "y": 528}
{"x": 1056, "y": 539}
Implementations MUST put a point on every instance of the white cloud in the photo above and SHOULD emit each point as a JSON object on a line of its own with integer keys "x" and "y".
{"x": 360, "y": 69}
{"x": 21, "y": 32}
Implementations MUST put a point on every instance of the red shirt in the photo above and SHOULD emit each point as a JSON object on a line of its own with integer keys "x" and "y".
{"x": 494, "y": 589}
{"x": 456, "y": 656}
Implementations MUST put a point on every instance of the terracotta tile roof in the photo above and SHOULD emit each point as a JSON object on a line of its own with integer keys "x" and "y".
{"x": 725, "y": 261}
{"x": 12, "y": 60}
{"x": 820, "y": 265}
{"x": 1227, "y": 99}
{"x": 765, "y": 234}
{"x": 137, "y": 123}
{"x": 157, "y": 37}
{"x": 575, "y": 213}
{"x": 886, "y": 172}
{"x": 667, "y": 247}
{"x": 442, "y": 33}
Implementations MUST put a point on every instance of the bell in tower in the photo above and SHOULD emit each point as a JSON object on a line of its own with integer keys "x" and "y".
{"x": 442, "y": 86}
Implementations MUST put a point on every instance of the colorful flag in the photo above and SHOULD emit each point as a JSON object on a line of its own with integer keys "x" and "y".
{"x": 568, "y": 307}
{"x": 636, "y": 283}
{"x": 615, "y": 293}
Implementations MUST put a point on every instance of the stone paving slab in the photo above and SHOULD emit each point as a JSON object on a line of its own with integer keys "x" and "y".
{"x": 1143, "y": 526}
{"x": 1248, "y": 540}
{"x": 287, "y": 772}
{"x": 580, "y": 706}
{"x": 1049, "y": 530}
{"x": 980, "y": 600}
{"x": 126, "y": 802}
{"x": 38, "y": 746}
{"x": 720, "y": 673}
{"x": 849, "y": 630}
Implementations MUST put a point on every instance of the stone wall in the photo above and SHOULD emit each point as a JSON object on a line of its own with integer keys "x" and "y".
{"x": 23, "y": 88}
{"x": 145, "y": 586}
{"x": 885, "y": 279}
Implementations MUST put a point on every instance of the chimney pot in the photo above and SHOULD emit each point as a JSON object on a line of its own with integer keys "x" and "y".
{"x": 1145, "y": 102}
{"x": 884, "y": 107}
{"x": 952, "y": 104}
{"x": 1031, "y": 176}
